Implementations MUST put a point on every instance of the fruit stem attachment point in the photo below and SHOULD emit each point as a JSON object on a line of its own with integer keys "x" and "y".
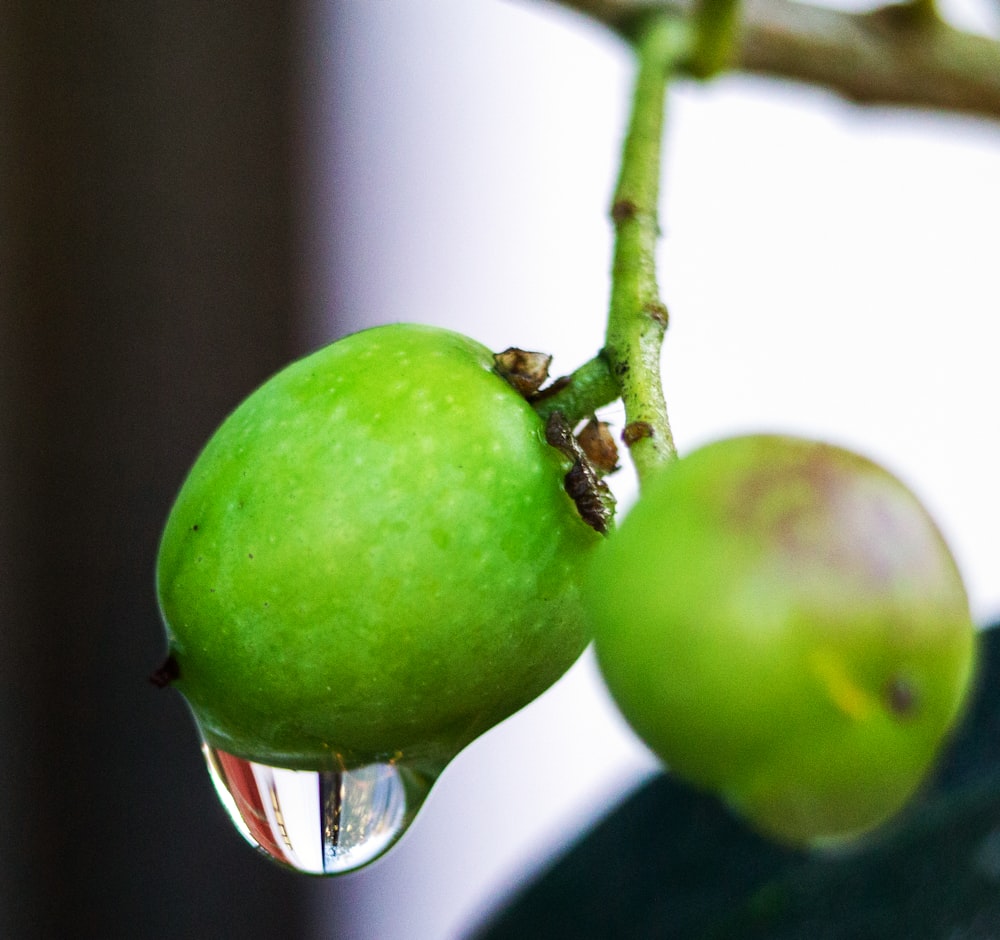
{"x": 637, "y": 318}
{"x": 579, "y": 395}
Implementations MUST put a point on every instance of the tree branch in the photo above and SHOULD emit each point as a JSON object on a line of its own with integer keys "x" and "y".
{"x": 896, "y": 55}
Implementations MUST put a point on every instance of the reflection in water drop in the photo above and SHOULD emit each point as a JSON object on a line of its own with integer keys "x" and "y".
{"x": 318, "y": 822}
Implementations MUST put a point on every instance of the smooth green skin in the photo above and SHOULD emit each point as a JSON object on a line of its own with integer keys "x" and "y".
{"x": 753, "y": 615}
{"x": 373, "y": 558}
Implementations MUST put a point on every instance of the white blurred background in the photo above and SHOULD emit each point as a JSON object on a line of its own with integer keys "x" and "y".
{"x": 829, "y": 271}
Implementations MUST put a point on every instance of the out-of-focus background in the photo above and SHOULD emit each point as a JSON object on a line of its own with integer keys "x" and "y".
{"x": 191, "y": 195}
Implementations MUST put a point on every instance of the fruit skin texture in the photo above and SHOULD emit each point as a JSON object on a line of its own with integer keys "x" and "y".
{"x": 373, "y": 558}
{"x": 782, "y": 623}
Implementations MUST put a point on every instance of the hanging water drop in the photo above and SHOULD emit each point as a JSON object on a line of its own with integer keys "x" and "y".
{"x": 324, "y": 822}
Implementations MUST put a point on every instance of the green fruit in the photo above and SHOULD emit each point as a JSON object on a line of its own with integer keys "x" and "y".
{"x": 373, "y": 558}
{"x": 782, "y": 623}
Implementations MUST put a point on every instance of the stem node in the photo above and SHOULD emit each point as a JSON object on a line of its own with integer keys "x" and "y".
{"x": 636, "y": 431}
{"x": 623, "y": 210}
{"x": 657, "y": 311}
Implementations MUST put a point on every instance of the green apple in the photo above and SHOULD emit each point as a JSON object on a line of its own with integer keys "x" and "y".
{"x": 374, "y": 557}
{"x": 782, "y": 622}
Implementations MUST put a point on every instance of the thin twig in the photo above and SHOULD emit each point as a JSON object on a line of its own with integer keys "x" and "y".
{"x": 637, "y": 317}
{"x": 893, "y": 56}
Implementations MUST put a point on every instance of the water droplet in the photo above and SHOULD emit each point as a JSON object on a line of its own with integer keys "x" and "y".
{"x": 319, "y": 822}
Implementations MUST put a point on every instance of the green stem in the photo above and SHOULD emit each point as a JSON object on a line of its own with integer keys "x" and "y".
{"x": 579, "y": 395}
{"x": 637, "y": 317}
{"x": 716, "y": 30}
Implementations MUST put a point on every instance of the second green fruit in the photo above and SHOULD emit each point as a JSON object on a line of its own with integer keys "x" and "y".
{"x": 781, "y": 621}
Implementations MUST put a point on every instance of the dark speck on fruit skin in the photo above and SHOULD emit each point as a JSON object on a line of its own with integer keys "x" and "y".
{"x": 901, "y": 697}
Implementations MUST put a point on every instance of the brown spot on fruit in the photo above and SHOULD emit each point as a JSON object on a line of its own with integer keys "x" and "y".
{"x": 901, "y": 697}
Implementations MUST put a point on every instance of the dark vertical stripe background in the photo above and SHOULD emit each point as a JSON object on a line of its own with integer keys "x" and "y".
{"x": 148, "y": 281}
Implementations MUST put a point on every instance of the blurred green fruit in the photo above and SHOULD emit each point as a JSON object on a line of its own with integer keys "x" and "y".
{"x": 781, "y": 621}
{"x": 373, "y": 557}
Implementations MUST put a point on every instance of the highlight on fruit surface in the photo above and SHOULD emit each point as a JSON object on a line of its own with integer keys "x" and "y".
{"x": 373, "y": 561}
{"x": 782, "y": 623}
